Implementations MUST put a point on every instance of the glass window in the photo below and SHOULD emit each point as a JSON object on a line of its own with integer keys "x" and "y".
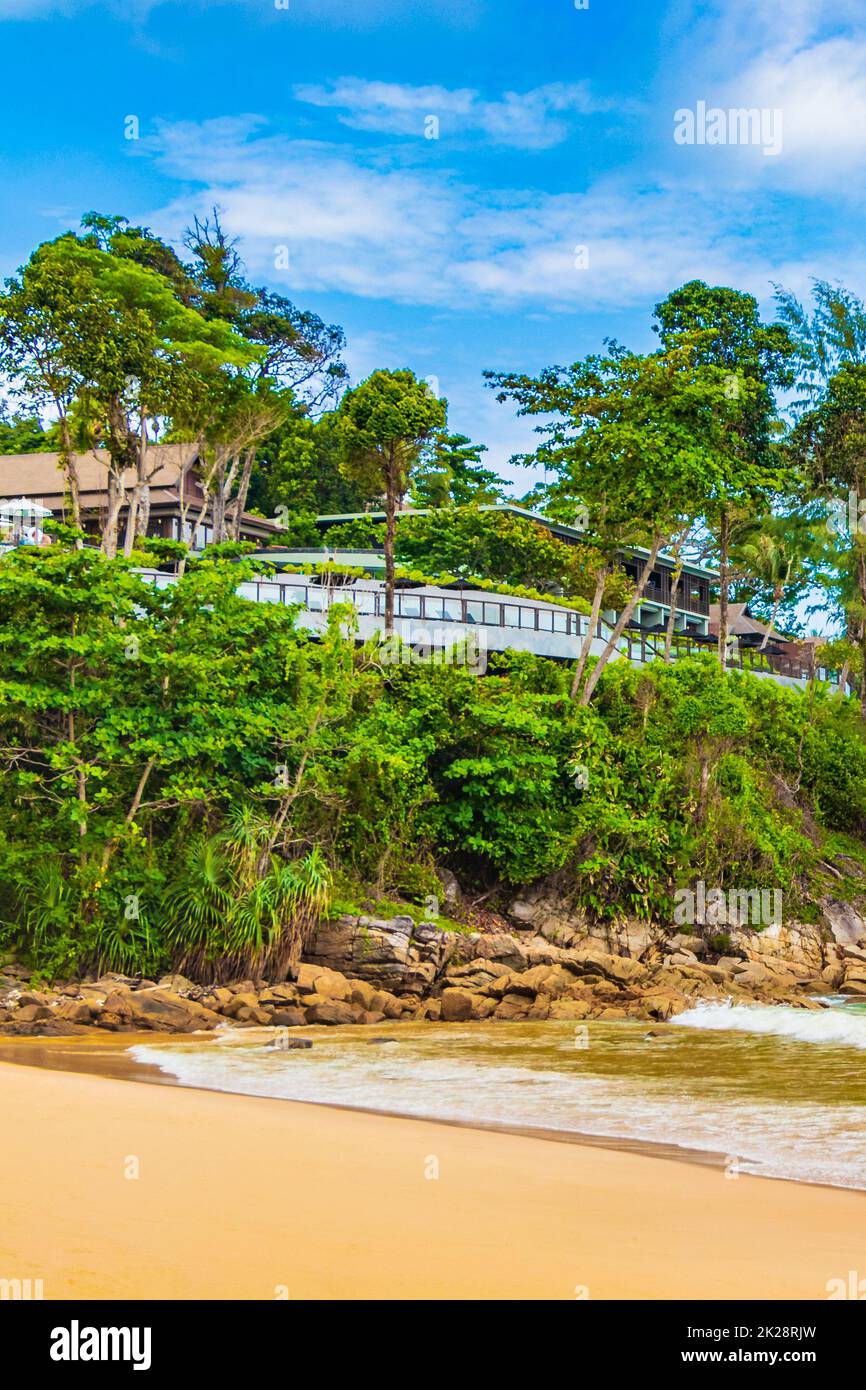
{"x": 433, "y": 607}
{"x": 527, "y": 617}
{"x": 560, "y": 620}
{"x": 474, "y": 611}
{"x": 545, "y": 620}
{"x": 493, "y": 614}
{"x": 453, "y": 612}
{"x": 410, "y": 605}
{"x": 511, "y": 615}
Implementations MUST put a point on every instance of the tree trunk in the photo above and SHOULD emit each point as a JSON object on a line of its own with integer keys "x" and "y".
{"x": 622, "y": 622}
{"x": 218, "y": 509}
{"x": 724, "y": 539}
{"x": 703, "y": 801}
{"x": 207, "y": 483}
{"x": 143, "y": 525}
{"x": 600, "y": 581}
{"x": 390, "y": 534}
{"x": 70, "y": 468}
{"x": 112, "y": 516}
{"x": 131, "y": 520}
{"x": 243, "y": 491}
{"x": 676, "y": 576}
{"x": 777, "y": 599}
{"x": 133, "y": 516}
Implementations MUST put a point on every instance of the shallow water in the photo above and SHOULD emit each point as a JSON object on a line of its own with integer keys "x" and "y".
{"x": 779, "y": 1091}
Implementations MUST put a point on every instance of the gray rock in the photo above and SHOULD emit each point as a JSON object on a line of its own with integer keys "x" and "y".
{"x": 845, "y": 922}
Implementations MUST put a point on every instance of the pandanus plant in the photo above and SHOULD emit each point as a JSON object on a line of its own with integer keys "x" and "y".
{"x": 239, "y": 909}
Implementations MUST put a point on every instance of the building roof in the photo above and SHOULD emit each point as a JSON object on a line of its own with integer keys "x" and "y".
{"x": 41, "y": 476}
{"x": 740, "y": 621}
{"x": 557, "y": 528}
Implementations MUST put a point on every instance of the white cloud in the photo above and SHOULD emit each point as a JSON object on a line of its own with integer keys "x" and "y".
{"x": 527, "y": 120}
{"x": 821, "y": 92}
{"x": 421, "y": 237}
{"x": 805, "y": 59}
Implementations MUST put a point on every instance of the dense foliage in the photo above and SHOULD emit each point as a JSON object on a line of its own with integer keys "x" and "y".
{"x": 188, "y": 776}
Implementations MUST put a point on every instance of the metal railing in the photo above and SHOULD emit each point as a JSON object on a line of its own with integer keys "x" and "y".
{"x": 502, "y": 611}
{"x": 495, "y": 611}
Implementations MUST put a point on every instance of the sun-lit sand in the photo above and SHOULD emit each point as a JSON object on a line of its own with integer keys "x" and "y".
{"x": 237, "y": 1197}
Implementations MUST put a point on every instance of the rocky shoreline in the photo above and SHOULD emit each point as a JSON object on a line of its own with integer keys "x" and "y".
{"x": 547, "y": 965}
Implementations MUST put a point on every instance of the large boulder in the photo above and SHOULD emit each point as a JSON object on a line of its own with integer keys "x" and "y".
{"x": 513, "y": 1006}
{"x": 594, "y": 960}
{"x": 391, "y": 953}
{"x": 847, "y": 925}
{"x": 157, "y": 1010}
{"x": 330, "y": 1011}
{"x": 316, "y": 979}
{"x": 504, "y": 949}
{"x": 800, "y": 943}
{"x": 457, "y": 1005}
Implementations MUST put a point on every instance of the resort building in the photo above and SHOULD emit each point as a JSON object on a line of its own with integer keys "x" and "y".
{"x": 179, "y": 509}
{"x": 455, "y": 617}
{"x": 651, "y": 614}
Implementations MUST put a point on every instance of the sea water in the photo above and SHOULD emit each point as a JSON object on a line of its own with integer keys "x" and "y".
{"x": 776, "y": 1091}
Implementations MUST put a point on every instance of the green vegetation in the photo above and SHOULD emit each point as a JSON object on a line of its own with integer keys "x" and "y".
{"x": 189, "y": 778}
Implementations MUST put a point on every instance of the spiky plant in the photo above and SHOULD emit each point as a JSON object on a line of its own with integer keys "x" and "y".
{"x": 238, "y": 909}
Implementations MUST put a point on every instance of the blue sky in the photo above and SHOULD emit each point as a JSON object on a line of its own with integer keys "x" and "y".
{"x": 307, "y": 125}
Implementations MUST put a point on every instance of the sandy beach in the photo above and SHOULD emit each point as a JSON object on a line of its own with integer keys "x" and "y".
{"x": 116, "y": 1190}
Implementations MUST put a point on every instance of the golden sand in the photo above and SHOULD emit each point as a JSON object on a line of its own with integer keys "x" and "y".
{"x": 117, "y": 1190}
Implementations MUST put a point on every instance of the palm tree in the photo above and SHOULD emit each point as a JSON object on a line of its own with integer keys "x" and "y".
{"x": 828, "y": 337}
{"x": 774, "y": 552}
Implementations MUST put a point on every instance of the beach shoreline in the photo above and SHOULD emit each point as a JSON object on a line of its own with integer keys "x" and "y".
{"x": 167, "y": 1191}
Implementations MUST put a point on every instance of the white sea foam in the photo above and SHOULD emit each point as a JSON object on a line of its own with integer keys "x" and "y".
{"x": 843, "y": 1027}
{"x": 692, "y": 1090}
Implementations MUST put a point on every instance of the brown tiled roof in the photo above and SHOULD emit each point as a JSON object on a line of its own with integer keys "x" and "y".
{"x": 739, "y": 620}
{"x": 40, "y": 477}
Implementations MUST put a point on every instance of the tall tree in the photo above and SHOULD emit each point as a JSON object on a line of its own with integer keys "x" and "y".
{"x": 297, "y": 364}
{"x": 829, "y": 443}
{"x": 451, "y": 474}
{"x": 297, "y": 468}
{"x": 772, "y": 554}
{"x": 384, "y": 424}
{"x": 724, "y": 330}
{"x": 637, "y": 444}
{"x": 109, "y": 338}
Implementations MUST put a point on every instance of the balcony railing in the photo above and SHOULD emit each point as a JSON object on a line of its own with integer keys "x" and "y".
{"x": 515, "y": 614}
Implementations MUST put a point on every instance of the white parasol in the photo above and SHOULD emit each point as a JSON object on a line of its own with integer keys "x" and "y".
{"x": 23, "y": 507}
